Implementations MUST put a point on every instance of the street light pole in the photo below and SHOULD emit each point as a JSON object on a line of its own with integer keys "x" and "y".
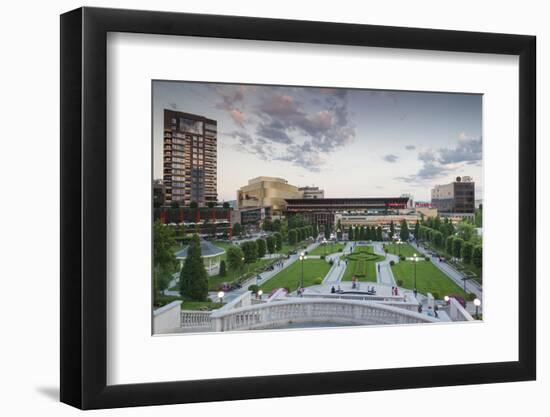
{"x": 415, "y": 260}
{"x": 302, "y": 258}
{"x": 477, "y": 303}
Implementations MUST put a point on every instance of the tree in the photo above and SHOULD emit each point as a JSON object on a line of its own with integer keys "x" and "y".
{"x": 211, "y": 204}
{"x": 193, "y": 277}
{"x": 278, "y": 240}
{"x": 327, "y": 231}
{"x": 262, "y": 247}
{"x": 437, "y": 223}
{"x": 379, "y": 233}
{"x": 350, "y": 233}
{"x": 392, "y": 229}
{"x": 164, "y": 259}
{"x": 223, "y": 271}
{"x": 250, "y": 250}
{"x": 235, "y": 257}
{"x": 226, "y": 205}
{"x": 477, "y": 256}
{"x": 437, "y": 238}
{"x": 466, "y": 230}
{"x": 416, "y": 229}
{"x": 237, "y": 229}
{"x": 361, "y": 233}
{"x": 193, "y": 205}
{"x": 270, "y": 244}
{"x": 467, "y": 250}
{"x": 175, "y": 205}
{"x": 404, "y": 232}
{"x": 457, "y": 247}
{"x": 277, "y": 225}
{"x": 478, "y": 218}
{"x": 449, "y": 245}
{"x": 267, "y": 225}
{"x": 292, "y": 237}
{"x": 315, "y": 232}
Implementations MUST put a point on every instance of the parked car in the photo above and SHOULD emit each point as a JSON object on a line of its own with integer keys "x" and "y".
{"x": 458, "y": 298}
{"x": 292, "y": 252}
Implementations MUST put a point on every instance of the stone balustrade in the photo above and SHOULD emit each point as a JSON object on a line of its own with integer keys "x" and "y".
{"x": 296, "y": 310}
{"x": 457, "y": 312}
{"x": 192, "y": 319}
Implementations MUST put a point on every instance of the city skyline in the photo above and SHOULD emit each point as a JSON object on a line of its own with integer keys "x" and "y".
{"x": 351, "y": 143}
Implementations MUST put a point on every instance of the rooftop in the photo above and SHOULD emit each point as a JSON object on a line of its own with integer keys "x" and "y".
{"x": 208, "y": 249}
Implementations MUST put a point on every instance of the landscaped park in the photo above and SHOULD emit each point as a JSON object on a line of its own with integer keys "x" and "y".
{"x": 361, "y": 264}
{"x": 290, "y": 277}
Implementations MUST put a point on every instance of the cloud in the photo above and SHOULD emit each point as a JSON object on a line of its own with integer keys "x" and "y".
{"x": 443, "y": 161}
{"x": 390, "y": 158}
{"x": 410, "y": 147}
{"x": 301, "y": 134}
{"x": 467, "y": 150}
{"x": 231, "y": 98}
{"x": 431, "y": 169}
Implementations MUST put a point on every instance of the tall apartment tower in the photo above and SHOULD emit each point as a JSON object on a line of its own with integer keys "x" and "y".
{"x": 190, "y": 158}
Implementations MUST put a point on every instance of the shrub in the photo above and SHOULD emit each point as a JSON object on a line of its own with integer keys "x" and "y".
{"x": 318, "y": 281}
{"x": 471, "y": 296}
{"x": 223, "y": 271}
{"x": 392, "y": 262}
{"x": 331, "y": 262}
{"x": 399, "y": 282}
{"x": 427, "y": 258}
{"x": 436, "y": 295}
{"x": 401, "y": 257}
{"x": 322, "y": 256}
{"x": 254, "y": 288}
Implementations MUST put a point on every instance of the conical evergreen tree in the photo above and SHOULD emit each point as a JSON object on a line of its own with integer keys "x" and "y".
{"x": 193, "y": 277}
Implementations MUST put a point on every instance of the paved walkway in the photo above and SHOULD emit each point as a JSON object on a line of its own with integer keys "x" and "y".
{"x": 336, "y": 273}
{"x": 384, "y": 274}
{"x": 471, "y": 285}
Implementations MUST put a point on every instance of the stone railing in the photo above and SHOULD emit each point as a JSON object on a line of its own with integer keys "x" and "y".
{"x": 457, "y": 312}
{"x": 296, "y": 310}
{"x": 166, "y": 319}
{"x": 192, "y": 319}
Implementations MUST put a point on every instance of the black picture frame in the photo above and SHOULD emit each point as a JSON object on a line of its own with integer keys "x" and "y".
{"x": 84, "y": 207}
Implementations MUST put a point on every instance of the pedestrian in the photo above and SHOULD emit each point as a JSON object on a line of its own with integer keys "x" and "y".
{"x": 392, "y": 290}
{"x": 436, "y": 309}
{"x": 420, "y": 308}
{"x": 332, "y": 290}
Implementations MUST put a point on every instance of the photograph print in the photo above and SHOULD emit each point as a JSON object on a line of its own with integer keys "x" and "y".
{"x": 291, "y": 207}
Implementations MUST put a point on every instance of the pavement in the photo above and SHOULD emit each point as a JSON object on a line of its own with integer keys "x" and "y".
{"x": 336, "y": 273}
{"x": 384, "y": 274}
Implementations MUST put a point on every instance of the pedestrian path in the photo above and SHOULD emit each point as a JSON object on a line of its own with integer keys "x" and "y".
{"x": 384, "y": 274}
{"x": 336, "y": 273}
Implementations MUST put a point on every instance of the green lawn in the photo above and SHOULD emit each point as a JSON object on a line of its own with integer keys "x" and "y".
{"x": 428, "y": 278}
{"x": 327, "y": 249}
{"x": 290, "y": 277}
{"x": 232, "y": 275}
{"x": 362, "y": 264}
{"x": 405, "y": 249}
{"x": 200, "y": 305}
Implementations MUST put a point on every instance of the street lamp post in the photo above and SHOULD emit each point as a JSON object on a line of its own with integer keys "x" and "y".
{"x": 220, "y": 296}
{"x": 477, "y": 303}
{"x": 415, "y": 260}
{"x": 302, "y": 258}
{"x": 399, "y": 243}
{"x": 260, "y": 292}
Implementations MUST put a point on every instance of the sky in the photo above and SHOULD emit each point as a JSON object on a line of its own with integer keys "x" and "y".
{"x": 349, "y": 142}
